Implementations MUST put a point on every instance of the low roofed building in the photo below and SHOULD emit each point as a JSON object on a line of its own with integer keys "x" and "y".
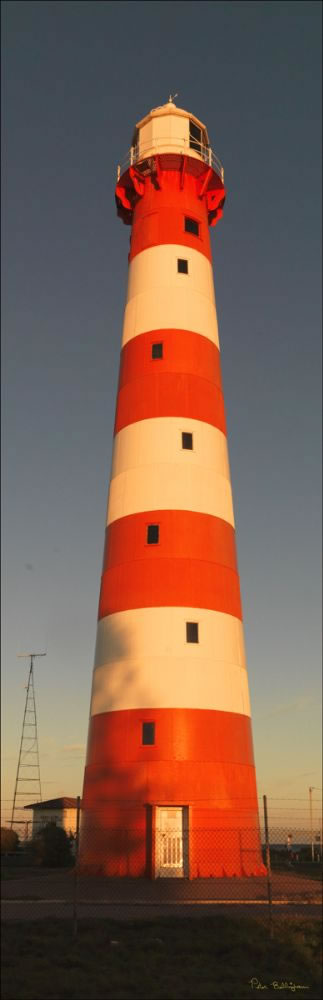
{"x": 61, "y": 812}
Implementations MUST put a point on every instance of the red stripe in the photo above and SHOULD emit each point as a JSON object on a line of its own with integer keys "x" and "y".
{"x": 182, "y": 534}
{"x": 159, "y": 216}
{"x": 170, "y": 583}
{"x": 170, "y": 395}
{"x": 187, "y": 735}
{"x": 183, "y": 352}
{"x": 201, "y": 759}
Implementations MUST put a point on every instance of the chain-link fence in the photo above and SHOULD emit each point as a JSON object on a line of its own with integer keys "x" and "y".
{"x": 140, "y": 872}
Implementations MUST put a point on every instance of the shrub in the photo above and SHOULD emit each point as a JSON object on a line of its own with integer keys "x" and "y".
{"x": 51, "y": 847}
{"x": 9, "y": 840}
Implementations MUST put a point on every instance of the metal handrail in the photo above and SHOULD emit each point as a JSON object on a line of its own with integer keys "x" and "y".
{"x": 138, "y": 153}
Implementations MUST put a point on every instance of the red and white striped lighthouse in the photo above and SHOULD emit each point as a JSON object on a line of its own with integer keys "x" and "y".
{"x": 169, "y": 784}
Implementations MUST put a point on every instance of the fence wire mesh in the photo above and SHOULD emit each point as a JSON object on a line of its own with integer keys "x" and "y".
{"x": 138, "y": 872}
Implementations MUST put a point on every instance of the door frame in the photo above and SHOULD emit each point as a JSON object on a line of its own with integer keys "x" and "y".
{"x": 185, "y": 873}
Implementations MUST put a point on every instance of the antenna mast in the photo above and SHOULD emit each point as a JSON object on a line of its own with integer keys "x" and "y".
{"x": 28, "y": 752}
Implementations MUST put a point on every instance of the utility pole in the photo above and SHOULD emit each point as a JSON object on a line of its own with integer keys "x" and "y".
{"x": 311, "y": 789}
{"x": 268, "y": 866}
{"x": 28, "y": 751}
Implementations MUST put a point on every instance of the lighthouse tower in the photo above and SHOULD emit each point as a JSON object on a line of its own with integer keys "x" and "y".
{"x": 169, "y": 785}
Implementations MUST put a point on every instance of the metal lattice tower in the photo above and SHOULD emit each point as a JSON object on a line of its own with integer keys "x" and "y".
{"x": 28, "y": 769}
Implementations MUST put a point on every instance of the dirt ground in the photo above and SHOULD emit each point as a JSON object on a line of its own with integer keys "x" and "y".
{"x": 60, "y": 884}
{"x": 34, "y": 895}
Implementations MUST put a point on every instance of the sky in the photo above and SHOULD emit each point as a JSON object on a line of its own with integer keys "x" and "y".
{"x": 76, "y": 79}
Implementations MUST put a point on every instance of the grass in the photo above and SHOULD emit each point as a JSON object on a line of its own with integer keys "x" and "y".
{"x": 202, "y": 958}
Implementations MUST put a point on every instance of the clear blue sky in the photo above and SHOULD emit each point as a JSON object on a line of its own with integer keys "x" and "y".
{"x": 77, "y": 76}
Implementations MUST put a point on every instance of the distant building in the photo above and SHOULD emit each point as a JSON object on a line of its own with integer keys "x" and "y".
{"x": 61, "y": 812}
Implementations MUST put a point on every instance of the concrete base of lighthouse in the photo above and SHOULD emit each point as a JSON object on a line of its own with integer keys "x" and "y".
{"x": 135, "y": 819}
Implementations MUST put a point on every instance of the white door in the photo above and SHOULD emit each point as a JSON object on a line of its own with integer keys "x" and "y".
{"x": 169, "y": 842}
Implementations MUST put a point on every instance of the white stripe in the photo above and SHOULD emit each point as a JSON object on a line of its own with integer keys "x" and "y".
{"x": 160, "y": 631}
{"x": 159, "y": 297}
{"x": 141, "y": 443}
{"x": 151, "y": 470}
{"x": 156, "y": 267}
{"x": 170, "y": 487}
{"x": 142, "y": 660}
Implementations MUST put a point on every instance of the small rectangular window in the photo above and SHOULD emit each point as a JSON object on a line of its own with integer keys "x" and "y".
{"x": 182, "y": 266}
{"x": 187, "y": 440}
{"x": 153, "y": 534}
{"x": 192, "y": 632}
{"x": 191, "y": 226}
{"x": 157, "y": 350}
{"x": 148, "y": 734}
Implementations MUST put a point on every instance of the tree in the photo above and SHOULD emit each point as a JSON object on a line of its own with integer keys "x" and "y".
{"x": 51, "y": 847}
{"x": 9, "y": 840}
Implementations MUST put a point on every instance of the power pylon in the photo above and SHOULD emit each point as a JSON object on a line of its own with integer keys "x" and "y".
{"x": 28, "y": 752}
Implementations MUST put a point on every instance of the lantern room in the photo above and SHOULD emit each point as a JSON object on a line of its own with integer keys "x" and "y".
{"x": 170, "y": 129}
{"x": 170, "y": 139}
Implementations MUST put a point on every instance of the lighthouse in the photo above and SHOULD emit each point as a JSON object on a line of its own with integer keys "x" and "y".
{"x": 169, "y": 785}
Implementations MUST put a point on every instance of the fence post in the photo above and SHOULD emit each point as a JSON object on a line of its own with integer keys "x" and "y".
{"x": 75, "y": 880}
{"x": 268, "y": 866}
